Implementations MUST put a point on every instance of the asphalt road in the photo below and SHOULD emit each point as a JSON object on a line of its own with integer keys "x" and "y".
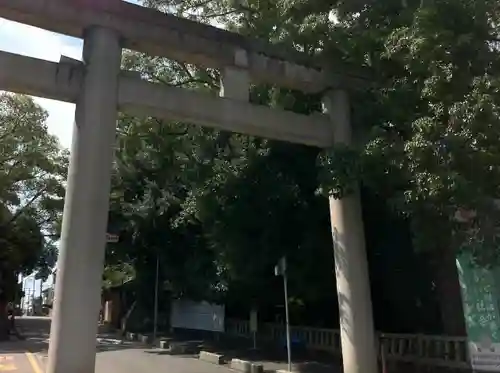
{"x": 117, "y": 356}
{"x": 16, "y": 357}
{"x": 112, "y": 355}
{"x": 129, "y": 359}
{"x": 136, "y": 360}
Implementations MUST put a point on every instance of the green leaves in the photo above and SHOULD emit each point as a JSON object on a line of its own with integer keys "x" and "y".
{"x": 220, "y": 209}
{"x": 429, "y": 146}
{"x": 340, "y": 172}
{"x": 32, "y": 172}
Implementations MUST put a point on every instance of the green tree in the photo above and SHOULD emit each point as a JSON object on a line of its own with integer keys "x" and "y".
{"x": 427, "y": 131}
{"x": 148, "y": 188}
{"x": 260, "y": 176}
{"x": 430, "y": 126}
{"x": 32, "y": 171}
{"x": 223, "y": 175}
{"x": 425, "y": 137}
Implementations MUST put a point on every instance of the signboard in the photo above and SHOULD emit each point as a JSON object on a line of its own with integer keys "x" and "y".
{"x": 112, "y": 238}
{"x": 480, "y": 297}
{"x": 253, "y": 321}
{"x": 192, "y": 315}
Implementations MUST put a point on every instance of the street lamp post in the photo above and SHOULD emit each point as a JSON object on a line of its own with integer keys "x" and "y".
{"x": 280, "y": 269}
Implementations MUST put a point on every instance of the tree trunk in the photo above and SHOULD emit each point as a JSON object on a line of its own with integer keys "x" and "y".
{"x": 127, "y": 316}
{"x": 448, "y": 292}
{"x": 4, "y": 321}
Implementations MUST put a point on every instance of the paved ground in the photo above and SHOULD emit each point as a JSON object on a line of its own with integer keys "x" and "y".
{"x": 31, "y": 357}
{"x": 133, "y": 360}
{"x": 272, "y": 356}
{"x": 116, "y": 356}
{"x": 113, "y": 355}
{"x": 16, "y": 357}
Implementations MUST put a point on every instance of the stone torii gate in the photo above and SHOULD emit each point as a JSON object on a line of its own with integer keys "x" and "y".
{"x": 99, "y": 88}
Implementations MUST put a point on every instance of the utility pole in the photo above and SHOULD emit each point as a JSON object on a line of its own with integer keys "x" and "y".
{"x": 21, "y": 299}
{"x": 280, "y": 269}
{"x": 33, "y": 295}
{"x": 41, "y": 297}
{"x": 287, "y": 317}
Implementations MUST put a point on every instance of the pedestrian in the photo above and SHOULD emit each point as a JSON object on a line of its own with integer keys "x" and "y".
{"x": 11, "y": 314}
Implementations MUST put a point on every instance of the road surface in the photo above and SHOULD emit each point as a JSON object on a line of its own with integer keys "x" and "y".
{"x": 117, "y": 356}
{"x": 17, "y": 358}
{"x": 113, "y": 355}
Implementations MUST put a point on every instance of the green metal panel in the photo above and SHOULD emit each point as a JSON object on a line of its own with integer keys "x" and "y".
{"x": 480, "y": 296}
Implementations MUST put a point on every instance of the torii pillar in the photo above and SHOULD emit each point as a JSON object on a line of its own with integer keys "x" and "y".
{"x": 359, "y": 353}
{"x": 77, "y": 298}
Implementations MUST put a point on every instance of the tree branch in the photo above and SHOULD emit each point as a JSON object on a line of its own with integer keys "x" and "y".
{"x": 21, "y": 210}
{"x": 200, "y": 4}
{"x": 213, "y": 15}
{"x": 192, "y": 79}
{"x": 160, "y": 123}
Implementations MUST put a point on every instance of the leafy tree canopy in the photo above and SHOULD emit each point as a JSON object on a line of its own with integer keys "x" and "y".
{"x": 32, "y": 171}
{"x": 226, "y": 206}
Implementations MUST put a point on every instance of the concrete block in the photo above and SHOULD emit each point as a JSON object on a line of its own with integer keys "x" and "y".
{"x": 240, "y": 365}
{"x": 246, "y": 366}
{"x": 256, "y": 368}
{"x": 210, "y": 357}
{"x": 177, "y": 348}
{"x": 164, "y": 344}
{"x": 144, "y": 338}
{"x": 131, "y": 336}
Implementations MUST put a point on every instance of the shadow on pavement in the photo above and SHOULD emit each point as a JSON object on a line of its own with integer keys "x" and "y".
{"x": 40, "y": 345}
{"x": 36, "y": 331}
{"x": 19, "y": 346}
{"x": 167, "y": 353}
{"x": 271, "y": 356}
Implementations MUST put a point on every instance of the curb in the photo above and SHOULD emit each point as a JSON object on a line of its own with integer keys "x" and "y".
{"x": 146, "y": 339}
{"x": 246, "y": 366}
{"x": 177, "y": 348}
{"x": 211, "y": 357}
{"x": 164, "y": 345}
{"x": 172, "y": 348}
